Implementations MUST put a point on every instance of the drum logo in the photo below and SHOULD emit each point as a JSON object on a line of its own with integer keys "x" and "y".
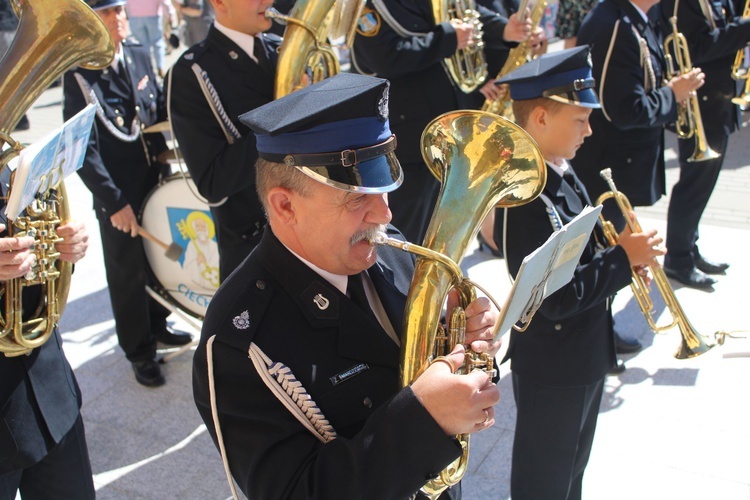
{"x": 195, "y": 231}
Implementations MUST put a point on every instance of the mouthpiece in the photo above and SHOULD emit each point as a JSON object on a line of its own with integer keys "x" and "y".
{"x": 272, "y": 13}
{"x": 379, "y": 239}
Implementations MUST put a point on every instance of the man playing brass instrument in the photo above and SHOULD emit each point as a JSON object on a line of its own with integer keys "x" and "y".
{"x": 714, "y": 32}
{"x": 296, "y": 375}
{"x": 43, "y": 451}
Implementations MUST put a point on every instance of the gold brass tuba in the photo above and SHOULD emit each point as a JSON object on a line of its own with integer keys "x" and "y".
{"x": 305, "y": 47}
{"x": 693, "y": 344}
{"x": 467, "y": 67}
{"x": 483, "y": 161}
{"x": 689, "y": 121}
{"x": 53, "y": 35}
{"x": 517, "y": 57}
{"x": 740, "y": 71}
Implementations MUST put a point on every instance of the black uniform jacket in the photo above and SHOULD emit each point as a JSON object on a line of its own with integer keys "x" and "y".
{"x": 570, "y": 340}
{"x": 220, "y": 169}
{"x": 399, "y": 40}
{"x": 116, "y": 171}
{"x": 387, "y": 445}
{"x": 713, "y": 51}
{"x": 628, "y": 132}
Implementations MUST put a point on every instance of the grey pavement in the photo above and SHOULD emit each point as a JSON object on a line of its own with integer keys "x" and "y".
{"x": 668, "y": 429}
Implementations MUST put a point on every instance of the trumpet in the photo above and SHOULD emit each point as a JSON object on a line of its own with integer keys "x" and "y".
{"x": 689, "y": 121}
{"x": 693, "y": 344}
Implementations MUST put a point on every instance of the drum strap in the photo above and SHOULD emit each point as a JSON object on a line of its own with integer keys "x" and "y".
{"x": 214, "y": 102}
{"x": 288, "y": 390}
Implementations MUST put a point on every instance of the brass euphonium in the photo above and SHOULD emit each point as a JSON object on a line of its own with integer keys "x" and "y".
{"x": 693, "y": 344}
{"x": 740, "y": 70}
{"x": 53, "y": 35}
{"x": 484, "y": 161}
{"x": 305, "y": 53}
{"x": 467, "y": 67}
{"x": 689, "y": 121}
{"x": 517, "y": 57}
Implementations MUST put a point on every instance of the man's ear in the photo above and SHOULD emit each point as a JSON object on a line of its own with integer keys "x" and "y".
{"x": 281, "y": 205}
{"x": 539, "y": 116}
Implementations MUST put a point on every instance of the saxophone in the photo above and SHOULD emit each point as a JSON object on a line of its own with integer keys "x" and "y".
{"x": 517, "y": 57}
{"x": 483, "y": 161}
{"x": 53, "y": 35}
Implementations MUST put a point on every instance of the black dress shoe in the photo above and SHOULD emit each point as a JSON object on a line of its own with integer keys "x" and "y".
{"x": 483, "y": 243}
{"x": 694, "y": 278}
{"x": 148, "y": 373}
{"x": 617, "y": 369}
{"x": 710, "y": 267}
{"x": 170, "y": 337}
{"x": 626, "y": 346}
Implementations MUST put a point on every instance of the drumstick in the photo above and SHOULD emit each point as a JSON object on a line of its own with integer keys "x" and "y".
{"x": 173, "y": 251}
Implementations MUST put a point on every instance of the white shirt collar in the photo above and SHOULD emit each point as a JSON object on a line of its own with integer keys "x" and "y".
{"x": 640, "y": 11}
{"x": 119, "y": 56}
{"x": 559, "y": 169}
{"x": 245, "y": 41}
{"x": 338, "y": 280}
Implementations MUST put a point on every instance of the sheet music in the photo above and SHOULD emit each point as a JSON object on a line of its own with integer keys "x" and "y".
{"x": 46, "y": 162}
{"x": 548, "y": 268}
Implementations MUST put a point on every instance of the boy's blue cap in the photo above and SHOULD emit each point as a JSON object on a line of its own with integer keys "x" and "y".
{"x": 563, "y": 76}
{"x": 335, "y": 131}
{"x": 104, "y": 4}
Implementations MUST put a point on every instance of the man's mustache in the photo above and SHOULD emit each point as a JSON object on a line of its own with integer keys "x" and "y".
{"x": 367, "y": 234}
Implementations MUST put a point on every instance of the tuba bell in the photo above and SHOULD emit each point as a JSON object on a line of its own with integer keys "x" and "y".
{"x": 484, "y": 161}
{"x": 53, "y": 35}
{"x": 693, "y": 344}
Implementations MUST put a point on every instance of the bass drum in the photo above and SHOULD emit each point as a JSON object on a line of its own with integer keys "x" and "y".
{"x": 174, "y": 215}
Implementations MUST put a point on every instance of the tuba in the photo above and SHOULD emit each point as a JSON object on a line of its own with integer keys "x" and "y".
{"x": 689, "y": 121}
{"x": 467, "y": 67}
{"x": 305, "y": 50}
{"x": 53, "y": 35}
{"x": 517, "y": 57}
{"x": 483, "y": 161}
{"x": 693, "y": 344}
{"x": 740, "y": 72}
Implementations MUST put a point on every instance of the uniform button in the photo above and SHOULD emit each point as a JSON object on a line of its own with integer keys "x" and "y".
{"x": 402, "y": 117}
{"x": 260, "y": 285}
{"x": 629, "y": 160}
{"x": 151, "y": 96}
{"x": 244, "y": 236}
{"x": 558, "y": 326}
{"x": 367, "y": 402}
{"x": 705, "y": 98}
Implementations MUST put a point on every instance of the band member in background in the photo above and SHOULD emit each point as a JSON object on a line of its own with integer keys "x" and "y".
{"x": 121, "y": 166}
{"x": 43, "y": 451}
{"x": 212, "y": 83}
{"x": 628, "y": 131}
{"x": 713, "y": 38}
{"x": 316, "y": 410}
{"x": 399, "y": 40}
{"x": 560, "y": 362}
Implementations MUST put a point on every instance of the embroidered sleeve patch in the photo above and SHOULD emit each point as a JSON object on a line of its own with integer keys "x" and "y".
{"x": 368, "y": 23}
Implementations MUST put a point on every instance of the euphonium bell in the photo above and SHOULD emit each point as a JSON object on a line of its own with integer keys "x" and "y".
{"x": 483, "y": 161}
{"x": 52, "y": 36}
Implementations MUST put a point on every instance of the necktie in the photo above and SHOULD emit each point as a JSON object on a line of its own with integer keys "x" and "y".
{"x": 356, "y": 291}
{"x": 260, "y": 55}
{"x": 571, "y": 180}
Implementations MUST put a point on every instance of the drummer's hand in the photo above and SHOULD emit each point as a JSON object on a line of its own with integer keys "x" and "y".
{"x": 481, "y": 318}
{"x": 75, "y": 241}
{"x": 125, "y": 221}
{"x": 165, "y": 156}
{"x": 16, "y": 257}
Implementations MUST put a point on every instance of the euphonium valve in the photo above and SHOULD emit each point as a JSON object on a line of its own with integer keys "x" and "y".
{"x": 483, "y": 161}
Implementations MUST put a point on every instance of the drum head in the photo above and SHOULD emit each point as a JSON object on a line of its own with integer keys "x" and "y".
{"x": 174, "y": 215}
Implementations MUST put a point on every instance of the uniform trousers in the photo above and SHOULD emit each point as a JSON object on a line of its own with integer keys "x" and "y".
{"x": 555, "y": 428}
{"x": 412, "y": 204}
{"x": 138, "y": 317}
{"x": 689, "y": 199}
{"x": 65, "y": 472}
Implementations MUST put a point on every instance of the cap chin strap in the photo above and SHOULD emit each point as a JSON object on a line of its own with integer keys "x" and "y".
{"x": 345, "y": 158}
{"x": 575, "y": 86}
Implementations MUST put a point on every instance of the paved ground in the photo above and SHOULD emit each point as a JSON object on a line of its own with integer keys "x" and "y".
{"x": 668, "y": 428}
